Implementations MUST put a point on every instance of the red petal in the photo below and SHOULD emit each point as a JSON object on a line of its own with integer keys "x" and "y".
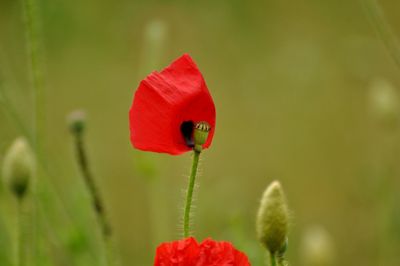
{"x": 178, "y": 253}
{"x": 222, "y": 253}
{"x": 188, "y": 252}
{"x": 164, "y": 101}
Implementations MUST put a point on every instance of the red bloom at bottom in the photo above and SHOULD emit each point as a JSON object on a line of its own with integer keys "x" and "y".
{"x": 187, "y": 252}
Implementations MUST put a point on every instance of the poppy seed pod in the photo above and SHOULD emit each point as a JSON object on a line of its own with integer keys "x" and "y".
{"x": 273, "y": 219}
{"x": 18, "y": 167}
{"x": 200, "y": 135}
{"x": 167, "y": 106}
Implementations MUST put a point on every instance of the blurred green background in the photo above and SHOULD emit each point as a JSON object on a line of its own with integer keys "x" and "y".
{"x": 292, "y": 84}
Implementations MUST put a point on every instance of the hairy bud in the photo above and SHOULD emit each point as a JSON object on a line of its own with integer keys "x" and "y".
{"x": 273, "y": 219}
{"x": 18, "y": 167}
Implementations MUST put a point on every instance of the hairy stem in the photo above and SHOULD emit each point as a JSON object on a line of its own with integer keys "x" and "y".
{"x": 97, "y": 201}
{"x": 383, "y": 29}
{"x": 189, "y": 194}
{"x": 20, "y": 234}
{"x": 273, "y": 259}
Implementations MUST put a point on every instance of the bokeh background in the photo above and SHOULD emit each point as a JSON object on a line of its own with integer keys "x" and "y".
{"x": 305, "y": 92}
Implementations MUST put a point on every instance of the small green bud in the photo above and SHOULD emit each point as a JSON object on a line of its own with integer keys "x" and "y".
{"x": 273, "y": 219}
{"x": 19, "y": 167}
{"x": 156, "y": 31}
{"x": 385, "y": 102}
{"x": 77, "y": 121}
{"x": 154, "y": 45}
{"x": 317, "y": 247}
{"x": 200, "y": 135}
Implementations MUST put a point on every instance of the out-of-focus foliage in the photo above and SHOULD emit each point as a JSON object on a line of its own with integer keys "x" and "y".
{"x": 291, "y": 83}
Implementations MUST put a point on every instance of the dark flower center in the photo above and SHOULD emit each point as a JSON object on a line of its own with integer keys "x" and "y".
{"x": 187, "y": 133}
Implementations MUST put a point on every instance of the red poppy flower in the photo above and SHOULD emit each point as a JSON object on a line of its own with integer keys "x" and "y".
{"x": 188, "y": 252}
{"x": 166, "y": 106}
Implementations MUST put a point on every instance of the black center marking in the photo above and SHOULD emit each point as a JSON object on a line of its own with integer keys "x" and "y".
{"x": 187, "y": 133}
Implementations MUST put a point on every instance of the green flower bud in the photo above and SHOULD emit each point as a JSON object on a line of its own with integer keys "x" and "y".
{"x": 19, "y": 167}
{"x": 273, "y": 219}
{"x": 317, "y": 247}
{"x": 200, "y": 135}
{"x": 154, "y": 45}
{"x": 77, "y": 121}
{"x": 385, "y": 102}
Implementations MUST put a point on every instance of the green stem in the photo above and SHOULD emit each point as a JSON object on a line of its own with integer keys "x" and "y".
{"x": 11, "y": 111}
{"x": 377, "y": 18}
{"x": 20, "y": 234}
{"x": 189, "y": 194}
{"x": 31, "y": 20}
{"x": 273, "y": 259}
{"x": 31, "y": 27}
{"x": 98, "y": 205}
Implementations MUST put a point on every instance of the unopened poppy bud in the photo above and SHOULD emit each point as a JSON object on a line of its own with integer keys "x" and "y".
{"x": 156, "y": 31}
{"x": 77, "y": 121}
{"x": 200, "y": 135}
{"x": 154, "y": 46}
{"x": 273, "y": 219}
{"x": 18, "y": 167}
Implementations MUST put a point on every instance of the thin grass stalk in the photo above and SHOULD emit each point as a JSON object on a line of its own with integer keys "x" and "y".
{"x": 31, "y": 20}
{"x": 383, "y": 29}
{"x": 12, "y": 113}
